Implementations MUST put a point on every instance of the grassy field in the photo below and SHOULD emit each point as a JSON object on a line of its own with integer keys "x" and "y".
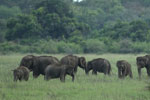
{"x": 90, "y": 87}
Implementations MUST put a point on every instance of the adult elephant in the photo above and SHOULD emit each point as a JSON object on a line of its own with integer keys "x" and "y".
{"x": 143, "y": 62}
{"x": 59, "y": 71}
{"x": 124, "y": 69}
{"x": 98, "y": 65}
{"x": 74, "y": 61}
{"x": 37, "y": 64}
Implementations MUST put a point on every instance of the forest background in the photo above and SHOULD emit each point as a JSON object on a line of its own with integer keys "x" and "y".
{"x": 66, "y": 26}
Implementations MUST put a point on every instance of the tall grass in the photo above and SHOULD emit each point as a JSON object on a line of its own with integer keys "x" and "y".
{"x": 85, "y": 87}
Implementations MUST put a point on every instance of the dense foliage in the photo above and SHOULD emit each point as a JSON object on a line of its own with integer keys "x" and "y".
{"x": 65, "y": 26}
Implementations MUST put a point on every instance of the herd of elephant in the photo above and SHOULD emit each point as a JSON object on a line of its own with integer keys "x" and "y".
{"x": 51, "y": 67}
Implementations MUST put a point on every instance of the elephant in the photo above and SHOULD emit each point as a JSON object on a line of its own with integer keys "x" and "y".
{"x": 143, "y": 61}
{"x": 98, "y": 65}
{"x": 74, "y": 61}
{"x": 59, "y": 71}
{"x": 37, "y": 64}
{"x": 21, "y": 73}
{"x": 27, "y": 61}
{"x": 124, "y": 69}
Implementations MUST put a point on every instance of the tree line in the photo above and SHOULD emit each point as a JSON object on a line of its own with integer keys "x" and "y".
{"x": 65, "y": 26}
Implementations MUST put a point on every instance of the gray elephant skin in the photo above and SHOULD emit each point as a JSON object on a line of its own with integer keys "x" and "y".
{"x": 38, "y": 64}
{"x": 124, "y": 69}
{"x": 74, "y": 61}
{"x": 98, "y": 65}
{"x": 21, "y": 73}
{"x": 59, "y": 71}
{"x": 143, "y": 62}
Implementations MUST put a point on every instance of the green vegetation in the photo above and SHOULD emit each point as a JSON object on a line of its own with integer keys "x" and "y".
{"x": 65, "y": 26}
{"x": 84, "y": 88}
{"x": 89, "y": 26}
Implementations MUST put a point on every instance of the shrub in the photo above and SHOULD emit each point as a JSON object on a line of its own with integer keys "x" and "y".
{"x": 94, "y": 46}
{"x": 141, "y": 47}
{"x": 64, "y": 47}
{"x": 125, "y": 46}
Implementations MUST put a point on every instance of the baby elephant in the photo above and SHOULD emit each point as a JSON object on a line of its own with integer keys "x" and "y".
{"x": 98, "y": 65}
{"x": 124, "y": 69}
{"x": 21, "y": 73}
{"x": 59, "y": 71}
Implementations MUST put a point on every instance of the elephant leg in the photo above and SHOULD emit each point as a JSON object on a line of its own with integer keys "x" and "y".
{"x": 139, "y": 72}
{"x": 122, "y": 74}
{"x": 94, "y": 72}
{"x": 125, "y": 73}
{"x": 62, "y": 77}
{"x": 119, "y": 74}
{"x": 35, "y": 75}
{"x": 109, "y": 72}
{"x": 47, "y": 77}
{"x": 131, "y": 76}
{"x": 20, "y": 79}
{"x": 75, "y": 70}
{"x": 148, "y": 71}
{"x": 26, "y": 79}
{"x": 106, "y": 72}
{"x": 72, "y": 77}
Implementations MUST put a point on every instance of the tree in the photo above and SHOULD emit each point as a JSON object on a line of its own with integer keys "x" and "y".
{"x": 139, "y": 30}
{"x": 23, "y": 26}
{"x": 57, "y": 19}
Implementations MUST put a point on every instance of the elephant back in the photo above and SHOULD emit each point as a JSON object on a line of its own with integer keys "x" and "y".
{"x": 41, "y": 62}
{"x": 70, "y": 60}
{"x": 101, "y": 63}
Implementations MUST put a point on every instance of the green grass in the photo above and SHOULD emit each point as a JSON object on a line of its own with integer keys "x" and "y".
{"x": 90, "y": 87}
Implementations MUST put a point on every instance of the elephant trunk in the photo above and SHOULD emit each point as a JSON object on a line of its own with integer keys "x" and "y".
{"x": 15, "y": 79}
{"x": 72, "y": 77}
{"x": 119, "y": 73}
{"x": 86, "y": 71}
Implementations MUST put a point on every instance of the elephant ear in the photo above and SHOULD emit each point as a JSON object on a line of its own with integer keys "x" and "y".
{"x": 146, "y": 60}
{"x": 27, "y": 61}
{"x": 123, "y": 67}
{"x": 82, "y": 62}
{"x": 35, "y": 63}
{"x": 117, "y": 64}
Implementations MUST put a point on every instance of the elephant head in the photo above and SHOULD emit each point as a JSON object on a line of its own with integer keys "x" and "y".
{"x": 27, "y": 61}
{"x": 121, "y": 67}
{"x": 17, "y": 74}
{"x": 142, "y": 61}
{"x": 88, "y": 67}
{"x": 82, "y": 62}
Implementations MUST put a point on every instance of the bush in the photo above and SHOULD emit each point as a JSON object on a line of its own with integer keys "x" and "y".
{"x": 10, "y": 47}
{"x": 40, "y": 46}
{"x": 86, "y": 46}
{"x": 48, "y": 46}
{"x": 94, "y": 46}
{"x": 125, "y": 46}
{"x": 113, "y": 47}
{"x": 64, "y": 47}
{"x": 141, "y": 47}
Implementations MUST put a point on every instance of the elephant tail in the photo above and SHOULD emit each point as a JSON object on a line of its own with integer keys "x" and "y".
{"x": 110, "y": 70}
